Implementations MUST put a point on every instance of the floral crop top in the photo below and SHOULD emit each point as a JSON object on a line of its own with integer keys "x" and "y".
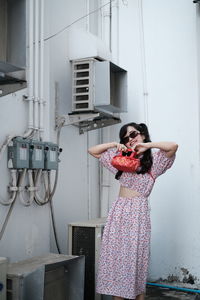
{"x": 142, "y": 183}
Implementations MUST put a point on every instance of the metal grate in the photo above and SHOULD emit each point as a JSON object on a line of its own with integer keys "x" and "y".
{"x": 82, "y": 86}
{"x": 83, "y": 243}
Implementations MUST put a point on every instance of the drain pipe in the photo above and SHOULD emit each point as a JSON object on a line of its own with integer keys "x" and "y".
{"x": 173, "y": 287}
{"x": 30, "y": 97}
{"x": 143, "y": 61}
{"x": 36, "y": 65}
{"x": 41, "y": 94}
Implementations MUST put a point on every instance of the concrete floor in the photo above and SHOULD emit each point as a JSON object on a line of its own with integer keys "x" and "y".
{"x": 157, "y": 293}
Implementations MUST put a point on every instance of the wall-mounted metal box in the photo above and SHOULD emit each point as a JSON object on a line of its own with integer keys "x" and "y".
{"x": 51, "y": 152}
{"x": 98, "y": 86}
{"x": 36, "y": 155}
{"x": 18, "y": 153}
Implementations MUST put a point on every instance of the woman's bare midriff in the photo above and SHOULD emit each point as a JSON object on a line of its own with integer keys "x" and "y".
{"x": 125, "y": 192}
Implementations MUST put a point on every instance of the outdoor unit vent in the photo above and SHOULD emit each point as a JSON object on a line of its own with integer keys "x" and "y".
{"x": 85, "y": 239}
{"x": 98, "y": 86}
{"x": 48, "y": 277}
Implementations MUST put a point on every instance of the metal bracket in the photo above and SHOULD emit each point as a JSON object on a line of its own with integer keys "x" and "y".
{"x": 97, "y": 123}
{"x": 87, "y": 121}
{"x": 74, "y": 119}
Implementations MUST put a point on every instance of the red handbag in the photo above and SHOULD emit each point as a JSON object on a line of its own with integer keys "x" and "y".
{"x": 126, "y": 161}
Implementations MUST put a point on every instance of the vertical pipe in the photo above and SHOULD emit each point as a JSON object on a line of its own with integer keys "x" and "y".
{"x": 89, "y": 181}
{"x": 110, "y": 27}
{"x": 41, "y": 98}
{"x": 36, "y": 64}
{"x": 143, "y": 56}
{"x": 88, "y": 16}
{"x": 30, "y": 83}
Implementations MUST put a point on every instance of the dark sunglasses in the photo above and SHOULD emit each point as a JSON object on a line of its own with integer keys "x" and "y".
{"x": 132, "y": 135}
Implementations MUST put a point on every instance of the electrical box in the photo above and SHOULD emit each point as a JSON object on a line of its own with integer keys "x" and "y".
{"x": 98, "y": 86}
{"x": 36, "y": 155}
{"x": 48, "y": 277}
{"x": 18, "y": 153}
{"x": 3, "y": 274}
{"x": 85, "y": 239}
{"x": 51, "y": 153}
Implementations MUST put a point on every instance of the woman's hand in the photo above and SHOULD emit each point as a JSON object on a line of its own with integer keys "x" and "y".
{"x": 121, "y": 147}
{"x": 140, "y": 148}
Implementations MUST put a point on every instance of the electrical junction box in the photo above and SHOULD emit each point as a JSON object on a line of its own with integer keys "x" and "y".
{"x": 3, "y": 275}
{"x": 36, "y": 155}
{"x": 51, "y": 151}
{"x": 18, "y": 153}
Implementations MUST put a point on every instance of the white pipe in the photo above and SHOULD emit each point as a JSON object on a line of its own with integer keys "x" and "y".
{"x": 46, "y": 183}
{"x": 88, "y": 16}
{"x": 36, "y": 120}
{"x": 12, "y": 188}
{"x": 21, "y": 188}
{"x": 30, "y": 90}
{"x": 30, "y": 73}
{"x": 31, "y": 188}
{"x": 114, "y": 31}
{"x": 42, "y": 200}
{"x": 41, "y": 98}
{"x": 105, "y": 178}
{"x": 89, "y": 182}
{"x": 143, "y": 61}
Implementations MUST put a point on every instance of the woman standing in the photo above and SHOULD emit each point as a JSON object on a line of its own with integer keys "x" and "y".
{"x": 125, "y": 245}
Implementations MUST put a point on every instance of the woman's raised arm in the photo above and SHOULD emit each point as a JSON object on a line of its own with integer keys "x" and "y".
{"x": 97, "y": 150}
{"x": 169, "y": 147}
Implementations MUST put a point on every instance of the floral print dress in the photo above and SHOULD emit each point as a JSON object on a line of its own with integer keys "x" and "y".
{"x": 124, "y": 257}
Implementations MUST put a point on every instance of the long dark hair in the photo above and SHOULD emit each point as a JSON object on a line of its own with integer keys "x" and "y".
{"x": 146, "y": 160}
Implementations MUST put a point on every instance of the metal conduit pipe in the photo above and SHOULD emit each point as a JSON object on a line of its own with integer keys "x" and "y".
{"x": 30, "y": 97}
{"x": 31, "y": 188}
{"x": 143, "y": 61}
{"x": 173, "y": 287}
{"x": 36, "y": 64}
{"x": 21, "y": 188}
{"x": 41, "y": 94}
{"x": 38, "y": 199}
{"x": 12, "y": 188}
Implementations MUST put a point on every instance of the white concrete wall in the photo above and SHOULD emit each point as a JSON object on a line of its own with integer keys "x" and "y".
{"x": 157, "y": 44}
{"x": 27, "y": 232}
{"x": 164, "y": 92}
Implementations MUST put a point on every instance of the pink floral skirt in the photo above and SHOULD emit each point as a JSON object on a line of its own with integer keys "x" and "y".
{"x": 124, "y": 258}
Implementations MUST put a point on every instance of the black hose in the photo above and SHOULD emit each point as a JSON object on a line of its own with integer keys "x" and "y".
{"x": 51, "y": 197}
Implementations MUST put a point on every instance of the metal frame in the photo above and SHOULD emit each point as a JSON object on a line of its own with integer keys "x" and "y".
{"x": 27, "y": 278}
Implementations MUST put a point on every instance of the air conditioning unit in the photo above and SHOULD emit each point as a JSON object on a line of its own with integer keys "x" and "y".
{"x": 85, "y": 239}
{"x": 98, "y": 86}
{"x": 48, "y": 277}
{"x": 3, "y": 272}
